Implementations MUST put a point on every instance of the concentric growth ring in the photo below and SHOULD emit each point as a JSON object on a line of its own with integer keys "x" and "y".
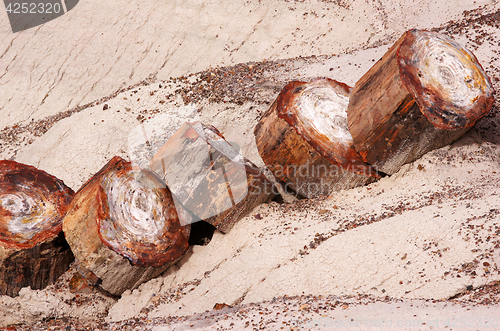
{"x": 32, "y": 204}
{"x": 141, "y": 222}
{"x": 449, "y": 85}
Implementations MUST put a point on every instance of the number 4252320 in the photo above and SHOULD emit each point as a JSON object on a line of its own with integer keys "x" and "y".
{"x": 34, "y": 8}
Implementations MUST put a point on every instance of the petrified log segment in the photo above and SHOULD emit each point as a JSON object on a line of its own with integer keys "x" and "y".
{"x": 123, "y": 227}
{"x": 209, "y": 177}
{"x": 423, "y": 94}
{"x": 33, "y": 251}
{"x": 304, "y": 140}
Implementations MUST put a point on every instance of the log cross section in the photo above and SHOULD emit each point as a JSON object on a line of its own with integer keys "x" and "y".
{"x": 425, "y": 93}
{"x": 304, "y": 140}
{"x": 123, "y": 227}
{"x": 33, "y": 251}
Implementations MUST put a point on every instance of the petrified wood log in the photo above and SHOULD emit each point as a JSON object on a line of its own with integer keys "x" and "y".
{"x": 209, "y": 177}
{"x": 423, "y": 94}
{"x": 304, "y": 140}
{"x": 33, "y": 251}
{"x": 123, "y": 227}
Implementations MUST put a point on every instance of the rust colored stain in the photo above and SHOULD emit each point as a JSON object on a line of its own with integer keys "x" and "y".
{"x": 32, "y": 205}
{"x": 219, "y": 306}
{"x": 340, "y": 153}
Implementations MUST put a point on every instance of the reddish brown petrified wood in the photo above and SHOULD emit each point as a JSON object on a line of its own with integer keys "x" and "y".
{"x": 209, "y": 177}
{"x": 33, "y": 251}
{"x": 423, "y": 94}
{"x": 123, "y": 227}
{"x": 304, "y": 140}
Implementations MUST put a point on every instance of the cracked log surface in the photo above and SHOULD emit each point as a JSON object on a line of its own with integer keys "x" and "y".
{"x": 33, "y": 251}
{"x": 304, "y": 140}
{"x": 209, "y": 177}
{"x": 425, "y": 93}
{"x": 123, "y": 227}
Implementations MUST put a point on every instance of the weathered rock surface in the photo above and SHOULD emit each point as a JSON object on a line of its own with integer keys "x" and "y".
{"x": 460, "y": 180}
